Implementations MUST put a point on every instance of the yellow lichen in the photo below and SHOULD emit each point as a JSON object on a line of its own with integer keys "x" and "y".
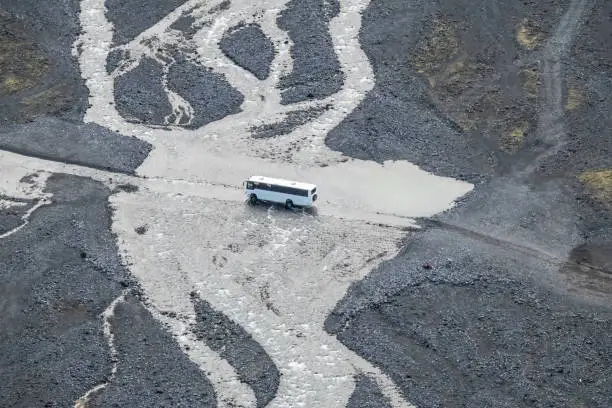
{"x": 50, "y": 101}
{"x": 514, "y": 139}
{"x": 528, "y": 35}
{"x": 574, "y": 99}
{"x": 12, "y": 84}
{"x": 599, "y": 184}
{"x": 531, "y": 82}
{"x": 434, "y": 52}
{"x": 22, "y": 64}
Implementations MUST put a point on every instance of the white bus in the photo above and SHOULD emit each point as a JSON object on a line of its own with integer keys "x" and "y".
{"x": 290, "y": 193}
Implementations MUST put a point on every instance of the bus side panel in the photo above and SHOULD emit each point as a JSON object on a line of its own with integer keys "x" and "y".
{"x": 264, "y": 194}
{"x": 272, "y": 196}
{"x": 303, "y": 201}
{"x": 280, "y": 198}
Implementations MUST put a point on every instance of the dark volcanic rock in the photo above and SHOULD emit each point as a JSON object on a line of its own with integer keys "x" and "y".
{"x": 367, "y": 394}
{"x": 235, "y": 345}
{"x": 452, "y": 85}
{"x": 152, "y": 371}
{"x": 43, "y": 97}
{"x": 53, "y": 347}
{"x": 475, "y": 330}
{"x": 185, "y": 24}
{"x": 586, "y": 157}
{"x": 291, "y": 122}
{"x": 76, "y": 143}
{"x": 493, "y": 304}
{"x": 397, "y": 119}
{"x": 316, "y": 70}
{"x": 37, "y": 39}
{"x": 114, "y": 58}
{"x": 493, "y": 343}
{"x": 491, "y": 311}
{"x": 140, "y": 95}
{"x": 132, "y": 17}
{"x": 587, "y": 154}
{"x": 250, "y": 48}
{"x": 11, "y": 216}
{"x": 209, "y": 94}
{"x": 9, "y": 220}
{"x": 189, "y": 26}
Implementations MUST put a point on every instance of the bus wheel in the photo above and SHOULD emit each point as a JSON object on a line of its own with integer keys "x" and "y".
{"x": 289, "y": 204}
{"x": 253, "y": 199}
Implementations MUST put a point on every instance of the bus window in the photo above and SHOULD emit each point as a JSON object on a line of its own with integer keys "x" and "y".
{"x": 314, "y": 190}
{"x": 249, "y": 185}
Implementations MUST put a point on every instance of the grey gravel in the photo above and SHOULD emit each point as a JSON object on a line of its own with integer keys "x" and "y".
{"x": 41, "y": 22}
{"x": 57, "y": 274}
{"x": 45, "y": 120}
{"x": 152, "y": 370}
{"x": 517, "y": 237}
{"x": 588, "y": 147}
{"x": 114, "y": 58}
{"x": 11, "y": 217}
{"x": 316, "y": 70}
{"x": 513, "y": 347}
{"x": 185, "y": 24}
{"x": 76, "y": 143}
{"x": 249, "y": 47}
{"x": 458, "y": 323}
{"x": 503, "y": 300}
{"x": 235, "y": 345}
{"x": 367, "y": 394}
{"x": 476, "y": 309}
{"x": 209, "y": 94}
{"x": 132, "y": 17}
{"x": 140, "y": 95}
{"x": 291, "y": 122}
{"x": 397, "y": 119}
{"x": 224, "y": 5}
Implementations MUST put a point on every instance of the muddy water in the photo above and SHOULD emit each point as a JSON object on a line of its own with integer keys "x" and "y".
{"x": 275, "y": 273}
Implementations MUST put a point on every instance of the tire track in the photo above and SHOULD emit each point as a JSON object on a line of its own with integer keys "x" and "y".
{"x": 508, "y": 245}
{"x": 551, "y": 125}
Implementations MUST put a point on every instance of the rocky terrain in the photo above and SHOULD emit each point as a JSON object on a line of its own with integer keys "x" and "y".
{"x": 132, "y": 273}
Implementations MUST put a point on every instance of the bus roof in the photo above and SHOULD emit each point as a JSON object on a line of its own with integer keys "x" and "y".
{"x": 282, "y": 182}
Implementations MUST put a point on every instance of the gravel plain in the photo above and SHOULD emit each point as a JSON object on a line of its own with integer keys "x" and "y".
{"x": 157, "y": 294}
